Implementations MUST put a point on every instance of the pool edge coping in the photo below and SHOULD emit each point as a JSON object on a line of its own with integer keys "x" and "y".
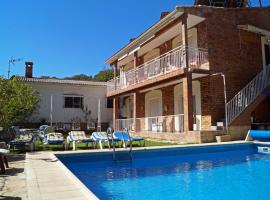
{"x": 151, "y": 148}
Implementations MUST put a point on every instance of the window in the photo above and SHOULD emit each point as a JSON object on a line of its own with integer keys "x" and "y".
{"x": 73, "y": 102}
{"x": 109, "y": 103}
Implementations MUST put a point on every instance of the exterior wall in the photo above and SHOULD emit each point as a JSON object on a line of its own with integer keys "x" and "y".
{"x": 168, "y": 100}
{"x": 234, "y": 52}
{"x": 140, "y": 105}
{"x": 151, "y": 54}
{"x": 205, "y": 105}
{"x": 190, "y": 137}
{"x": 91, "y": 95}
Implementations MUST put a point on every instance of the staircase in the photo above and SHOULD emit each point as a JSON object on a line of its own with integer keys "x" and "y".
{"x": 248, "y": 94}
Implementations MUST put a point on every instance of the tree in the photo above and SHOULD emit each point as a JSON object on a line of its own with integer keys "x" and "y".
{"x": 82, "y": 77}
{"x": 17, "y": 101}
{"x": 104, "y": 75}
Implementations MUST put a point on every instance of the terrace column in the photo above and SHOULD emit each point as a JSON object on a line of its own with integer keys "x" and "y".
{"x": 185, "y": 38}
{"x": 115, "y": 110}
{"x": 188, "y": 102}
{"x": 135, "y": 57}
{"x": 115, "y": 69}
{"x": 134, "y": 110}
{"x": 115, "y": 73}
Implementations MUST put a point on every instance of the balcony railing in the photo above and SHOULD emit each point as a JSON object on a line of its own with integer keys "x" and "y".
{"x": 124, "y": 123}
{"x": 169, "y": 123}
{"x": 171, "y": 61}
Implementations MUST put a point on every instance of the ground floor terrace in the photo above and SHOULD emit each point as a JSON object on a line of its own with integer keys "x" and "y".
{"x": 179, "y": 110}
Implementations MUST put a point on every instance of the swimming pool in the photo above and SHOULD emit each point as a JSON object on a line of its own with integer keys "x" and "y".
{"x": 231, "y": 171}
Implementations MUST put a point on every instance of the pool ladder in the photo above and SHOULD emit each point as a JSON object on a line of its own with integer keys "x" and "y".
{"x": 110, "y": 136}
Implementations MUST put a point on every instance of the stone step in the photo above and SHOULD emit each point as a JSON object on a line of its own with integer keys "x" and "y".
{"x": 223, "y": 138}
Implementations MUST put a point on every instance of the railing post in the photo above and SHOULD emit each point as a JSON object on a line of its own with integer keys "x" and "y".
{"x": 115, "y": 74}
{"x": 135, "y": 64}
{"x": 134, "y": 110}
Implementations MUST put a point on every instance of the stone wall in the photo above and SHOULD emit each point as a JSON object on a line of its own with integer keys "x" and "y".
{"x": 168, "y": 100}
{"x": 182, "y": 138}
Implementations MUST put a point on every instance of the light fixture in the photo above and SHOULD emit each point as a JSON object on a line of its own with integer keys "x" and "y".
{"x": 268, "y": 39}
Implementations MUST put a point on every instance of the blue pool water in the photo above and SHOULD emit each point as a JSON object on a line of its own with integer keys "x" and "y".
{"x": 203, "y": 173}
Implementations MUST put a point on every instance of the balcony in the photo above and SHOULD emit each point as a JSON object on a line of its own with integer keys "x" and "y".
{"x": 165, "y": 64}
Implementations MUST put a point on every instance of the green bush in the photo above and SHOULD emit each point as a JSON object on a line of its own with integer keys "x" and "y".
{"x": 17, "y": 101}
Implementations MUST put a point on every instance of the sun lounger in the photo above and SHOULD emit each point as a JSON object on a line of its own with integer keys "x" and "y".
{"x": 54, "y": 138}
{"x": 3, "y": 160}
{"x": 103, "y": 137}
{"x": 51, "y": 137}
{"x": 75, "y": 137}
{"x": 125, "y": 138}
{"x": 22, "y": 139}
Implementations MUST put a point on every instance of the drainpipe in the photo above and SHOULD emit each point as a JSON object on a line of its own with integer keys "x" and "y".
{"x": 225, "y": 96}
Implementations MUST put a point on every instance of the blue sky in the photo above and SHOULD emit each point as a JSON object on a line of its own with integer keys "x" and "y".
{"x": 68, "y": 37}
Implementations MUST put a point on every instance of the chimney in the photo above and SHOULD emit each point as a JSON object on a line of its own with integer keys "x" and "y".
{"x": 164, "y": 14}
{"x": 28, "y": 69}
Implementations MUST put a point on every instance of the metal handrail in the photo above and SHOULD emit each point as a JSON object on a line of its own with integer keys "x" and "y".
{"x": 130, "y": 142}
{"x": 248, "y": 94}
{"x": 109, "y": 132}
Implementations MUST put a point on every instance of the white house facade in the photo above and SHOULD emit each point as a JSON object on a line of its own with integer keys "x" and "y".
{"x": 69, "y": 103}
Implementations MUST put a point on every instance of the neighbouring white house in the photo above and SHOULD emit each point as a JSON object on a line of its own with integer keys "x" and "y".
{"x": 69, "y": 104}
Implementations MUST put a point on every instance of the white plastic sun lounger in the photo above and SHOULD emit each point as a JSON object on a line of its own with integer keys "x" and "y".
{"x": 101, "y": 137}
{"x": 51, "y": 137}
{"x": 75, "y": 137}
{"x": 3, "y": 160}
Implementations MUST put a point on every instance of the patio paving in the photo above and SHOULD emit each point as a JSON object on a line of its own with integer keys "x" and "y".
{"x": 13, "y": 182}
{"x": 47, "y": 178}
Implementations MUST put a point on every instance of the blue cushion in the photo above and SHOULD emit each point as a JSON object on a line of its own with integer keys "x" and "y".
{"x": 124, "y": 136}
{"x": 262, "y": 135}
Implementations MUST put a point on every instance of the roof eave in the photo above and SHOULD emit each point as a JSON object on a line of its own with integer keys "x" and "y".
{"x": 145, "y": 35}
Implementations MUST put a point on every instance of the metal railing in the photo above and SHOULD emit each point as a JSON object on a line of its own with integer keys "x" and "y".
{"x": 124, "y": 124}
{"x": 169, "y": 123}
{"x": 248, "y": 94}
{"x": 168, "y": 62}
